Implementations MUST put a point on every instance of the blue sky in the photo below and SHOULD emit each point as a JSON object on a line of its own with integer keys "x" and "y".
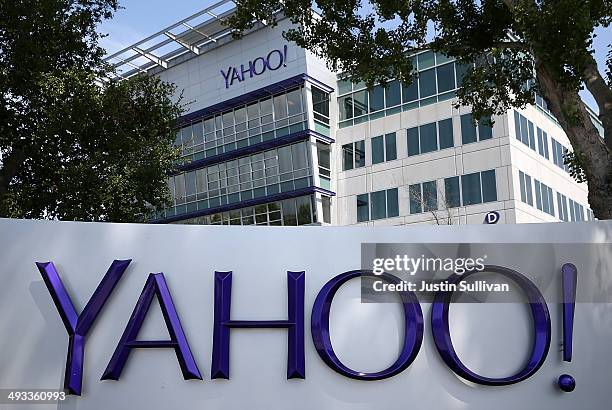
{"x": 139, "y": 18}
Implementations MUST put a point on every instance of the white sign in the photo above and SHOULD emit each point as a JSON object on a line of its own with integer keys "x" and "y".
{"x": 492, "y": 340}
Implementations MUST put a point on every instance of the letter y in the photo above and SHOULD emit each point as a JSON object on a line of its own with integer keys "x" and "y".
{"x": 78, "y": 325}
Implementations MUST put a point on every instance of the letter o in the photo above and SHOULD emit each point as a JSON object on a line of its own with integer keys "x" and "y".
{"x": 413, "y": 329}
{"x": 264, "y": 65}
{"x": 280, "y": 60}
{"x": 541, "y": 320}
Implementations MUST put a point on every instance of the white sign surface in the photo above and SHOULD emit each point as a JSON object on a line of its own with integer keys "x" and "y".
{"x": 493, "y": 339}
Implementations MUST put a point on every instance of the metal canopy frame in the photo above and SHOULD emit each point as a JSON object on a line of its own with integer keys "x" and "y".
{"x": 189, "y": 35}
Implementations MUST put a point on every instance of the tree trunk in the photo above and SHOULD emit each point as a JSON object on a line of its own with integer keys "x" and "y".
{"x": 570, "y": 111}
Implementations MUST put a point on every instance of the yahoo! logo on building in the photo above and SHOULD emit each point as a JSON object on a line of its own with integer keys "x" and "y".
{"x": 78, "y": 325}
{"x": 273, "y": 61}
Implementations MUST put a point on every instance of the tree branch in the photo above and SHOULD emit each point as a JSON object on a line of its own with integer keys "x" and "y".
{"x": 603, "y": 97}
{"x": 10, "y": 166}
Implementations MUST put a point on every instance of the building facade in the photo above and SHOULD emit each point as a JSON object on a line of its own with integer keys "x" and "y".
{"x": 273, "y": 137}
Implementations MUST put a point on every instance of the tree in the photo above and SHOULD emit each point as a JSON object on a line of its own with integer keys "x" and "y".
{"x": 72, "y": 146}
{"x": 507, "y": 43}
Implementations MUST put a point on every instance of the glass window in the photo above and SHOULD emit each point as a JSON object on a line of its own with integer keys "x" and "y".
{"x": 522, "y": 185}
{"x": 346, "y": 107}
{"x": 427, "y": 83}
{"x": 378, "y": 150}
{"x": 363, "y": 208}
{"x": 485, "y": 129}
{"x": 377, "y": 98}
{"x": 304, "y": 209}
{"x": 190, "y": 184}
{"x": 392, "y": 203}
{"x": 538, "y": 192}
{"x": 359, "y": 154}
{"x": 379, "y": 205}
{"x": 360, "y": 102}
{"x": 470, "y": 189}
{"x": 414, "y": 192}
{"x": 529, "y": 189}
{"x": 410, "y": 92}
{"x": 294, "y": 102}
{"x": 298, "y": 153}
{"x": 289, "y": 212}
{"x": 426, "y": 60}
{"x": 347, "y": 157}
{"x": 524, "y": 131}
{"x": 413, "y": 141}
{"x": 445, "y": 129}
{"x": 430, "y": 196}
{"x": 280, "y": 106}
{"x": 345, "y": 86}
{"x": 320, "y": 101}
{"x": 468, "y": 129}
{"x": 517, "y": 125}
{"x": 326, "y": 203}
{"x": 531, "y": 136}
{"x": 489, "y": 186}
{"x": 284, "y": 159}
{"x": 462, "y": 70}
{"x": 446, "y": 77}
{"x": 393, "y": 94}
{"x": 390, "y": 147}
{"x": 428, "y": 139}
{"x": 451, "y": 192}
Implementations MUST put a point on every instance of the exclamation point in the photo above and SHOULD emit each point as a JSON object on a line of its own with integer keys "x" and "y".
{"x": 570, "y": 276}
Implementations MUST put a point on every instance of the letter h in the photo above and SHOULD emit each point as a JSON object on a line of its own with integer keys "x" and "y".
{"x": 294, "y": 325}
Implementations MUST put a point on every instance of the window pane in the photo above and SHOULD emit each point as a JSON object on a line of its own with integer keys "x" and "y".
{"x": 284, "y": 159}
{"x": 428, "y": 139}
{"x": 345, "y": 86}
{"x": 377, "y": 98}
{"x": 346, "y": 107}
{"x": 451, "y": 192}
{"x": 468, "y": 129}
{"x": 538, "y": 192}
{"x": 485, "y": 129}
{"x": 410, "y": 92}
{"x": 359, "y": 154}
{"x": 392, "y": 93}
{"x": 489, "y": 186}
{"x": 298, "y": 152}
{"x": 289, "y": 213}
{"x": 280, "y": 107}
{"x": 517, "y": 125}
{"x": 413, "y": 141}
{"x": 294, "y": 101}
{"x": 379, "y": 206}
{"x": 445, "y": 129}
{"x": 531, "y": 136}
{"x": 430, "y": 196}
{"x": 426, "y": 60}
{"x": 390, "y": 147}
{"x": 360, "y": 102}
{"x": 522, "y": 184}
{"x": 524, "y": 131}
{"x": 427, "y": 83}
{"x": 446, "y": 78}
{"x": 347, "y": 157}
{"x": 415, "y": 198}
{"x": 462, "y": 70}
{"x": 320, "y": 101}
{"x": 363, "y": 208}
{"x": 392, "y": 203}
{"x": 529, "y": 190}
{"x": 470, "y": 187}
{"x": 378, "y": 153}
{"x": 304, "y": 210}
